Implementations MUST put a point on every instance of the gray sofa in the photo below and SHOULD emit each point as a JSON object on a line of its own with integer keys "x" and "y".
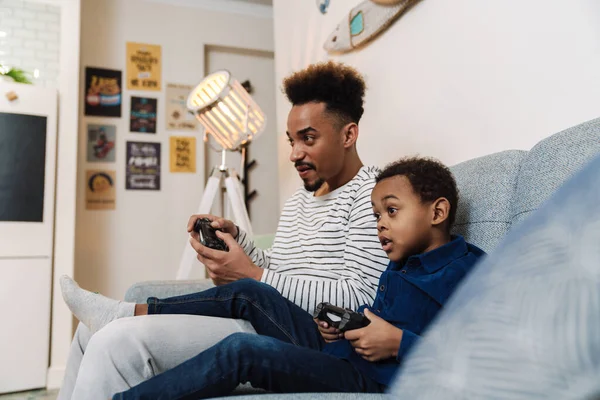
{"x": 498, "y": 192}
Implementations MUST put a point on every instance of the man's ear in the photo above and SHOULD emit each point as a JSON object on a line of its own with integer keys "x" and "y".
{"x": 441, "y": 211}
{"x": 350, "y": 132}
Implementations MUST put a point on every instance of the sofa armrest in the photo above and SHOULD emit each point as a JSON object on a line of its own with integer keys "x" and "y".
{"x": 139, "y": 292}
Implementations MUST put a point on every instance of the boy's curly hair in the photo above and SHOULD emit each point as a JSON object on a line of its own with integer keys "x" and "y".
{"x": 339, "y": 86}
{"x": 429, "y": 178}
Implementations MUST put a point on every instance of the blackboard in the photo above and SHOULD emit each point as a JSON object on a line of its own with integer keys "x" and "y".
{"x": 22, "y": 167}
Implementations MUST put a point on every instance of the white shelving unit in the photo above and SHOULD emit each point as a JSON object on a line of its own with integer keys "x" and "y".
{"x": 26, "y": 241}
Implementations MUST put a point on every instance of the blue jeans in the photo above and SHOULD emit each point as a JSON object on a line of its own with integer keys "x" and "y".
{"x": 284, "y": 357}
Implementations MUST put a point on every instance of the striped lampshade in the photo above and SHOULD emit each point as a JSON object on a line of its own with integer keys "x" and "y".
{"x": 226, "y": 110}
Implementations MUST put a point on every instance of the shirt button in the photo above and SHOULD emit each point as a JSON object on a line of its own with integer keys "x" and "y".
{"x": 403, "y": 271}
{"x": 382, "y": 288}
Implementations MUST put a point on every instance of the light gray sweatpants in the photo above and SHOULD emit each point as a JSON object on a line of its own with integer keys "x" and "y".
{"x": 131, "y": 350}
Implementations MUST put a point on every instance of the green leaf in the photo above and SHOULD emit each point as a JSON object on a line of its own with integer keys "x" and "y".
{"x": 17, "y": 75}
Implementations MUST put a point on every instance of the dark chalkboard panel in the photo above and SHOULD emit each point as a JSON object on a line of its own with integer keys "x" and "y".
{"x": 22, "y": 167}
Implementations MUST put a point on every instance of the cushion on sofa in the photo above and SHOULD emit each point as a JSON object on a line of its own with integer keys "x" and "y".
{"x": 487, "y": 186}
{"x": 551, "y": 162}
{"x": 526, "y": 323}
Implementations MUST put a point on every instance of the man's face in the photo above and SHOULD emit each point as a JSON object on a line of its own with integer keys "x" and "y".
{"x": 403, "y": 221}
{"x": 317, "y": 142}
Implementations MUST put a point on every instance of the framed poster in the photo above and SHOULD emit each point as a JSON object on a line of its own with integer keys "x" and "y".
{"x": 178, "y": 117}
{"x": 101, "y": 143}
{"x": 143, "y": 66}
{"x": 143, "y": 166}
{"x": 103, "y": 93}
{"x": 183, "y": 154}
{"x": 143, "y": 115}
{"x": 100, "y": 190}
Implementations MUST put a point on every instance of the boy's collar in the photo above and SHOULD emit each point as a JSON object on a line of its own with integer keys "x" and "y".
{"x": 435, "y": 259}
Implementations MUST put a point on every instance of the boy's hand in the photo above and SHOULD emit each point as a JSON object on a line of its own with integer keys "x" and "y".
{"x": 377, "y": 341}
{"x": 329, "y": 333}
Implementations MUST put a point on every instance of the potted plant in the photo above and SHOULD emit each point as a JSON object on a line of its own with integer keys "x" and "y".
{"x": 14, "y": 74}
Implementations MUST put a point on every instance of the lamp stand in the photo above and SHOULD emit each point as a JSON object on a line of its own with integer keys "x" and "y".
{"x": 219, "y": 174}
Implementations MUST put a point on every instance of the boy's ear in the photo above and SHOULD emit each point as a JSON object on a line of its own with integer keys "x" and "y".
{"x": 441, "y": 211}
{"x": 350, "y": 132}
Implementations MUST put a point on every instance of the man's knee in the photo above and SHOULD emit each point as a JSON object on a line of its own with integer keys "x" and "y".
{"x": 115, "y": 359}
{"x": 116, "y": 342}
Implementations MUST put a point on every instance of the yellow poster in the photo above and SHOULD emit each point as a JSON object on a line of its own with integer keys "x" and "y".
{"x": 143, "y": 66}
{"x": 183, "y": 154}
{"x": 100, "y": 190}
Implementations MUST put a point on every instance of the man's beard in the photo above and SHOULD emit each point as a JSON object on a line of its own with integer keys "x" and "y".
{"x": 313, "y": 187}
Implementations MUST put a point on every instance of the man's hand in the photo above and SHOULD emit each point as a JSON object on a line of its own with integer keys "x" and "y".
{"x": 218, "y": 223}
{"x": 226, "y": 266}
{"x": 329, "y": 333}
{"x": 377, "y": 341}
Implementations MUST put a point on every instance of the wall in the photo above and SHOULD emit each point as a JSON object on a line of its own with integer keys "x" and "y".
{"x": 455, "y": 79}
{"x": 144, "y": 237}
{"x": 29, "y": 39}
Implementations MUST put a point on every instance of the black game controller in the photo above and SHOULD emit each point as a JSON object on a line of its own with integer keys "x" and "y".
{"x": 342, "y": 318}
{"x": 208, "y": 235}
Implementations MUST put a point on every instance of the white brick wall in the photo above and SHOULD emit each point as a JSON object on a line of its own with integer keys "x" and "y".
{"x": 21, "y": 33}
{"x": 29, "y": 38}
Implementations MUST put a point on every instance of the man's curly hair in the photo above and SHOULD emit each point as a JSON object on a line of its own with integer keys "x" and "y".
{"x": 429, "y": 178}
{"x": 339, "y": 86}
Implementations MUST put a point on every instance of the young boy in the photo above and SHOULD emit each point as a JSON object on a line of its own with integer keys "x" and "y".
{"x": 414, "y": 202}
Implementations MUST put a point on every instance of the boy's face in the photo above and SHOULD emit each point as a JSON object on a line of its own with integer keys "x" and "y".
{"x": 403, "y": 222}
{"x": 318, "y": 151}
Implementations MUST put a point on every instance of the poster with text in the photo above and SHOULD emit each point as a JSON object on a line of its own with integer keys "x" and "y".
{"x": 178, "y": 117}
{"x": 183, "y": 154}
{"x": 143, "y": 166}
{"x": 143, "y": 66}
{"x": 143, "y": 115}
{"x": 100, "y": 190}
{"x": 103, "y": 94}
{"x": 101, "y": 143}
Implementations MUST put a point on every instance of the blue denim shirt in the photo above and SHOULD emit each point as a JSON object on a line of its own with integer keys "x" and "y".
{"x": 410, "y": 295}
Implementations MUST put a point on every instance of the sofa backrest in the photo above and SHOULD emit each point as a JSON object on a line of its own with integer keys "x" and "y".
{"x": 486, "y": 189}
{"x": 550, "y": 163}
{"x": 500, "y": 190}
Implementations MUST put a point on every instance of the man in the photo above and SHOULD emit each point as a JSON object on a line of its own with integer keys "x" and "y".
{"x": 325, "y": 248}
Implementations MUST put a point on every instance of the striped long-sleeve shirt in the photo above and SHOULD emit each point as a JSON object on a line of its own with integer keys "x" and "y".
{"x": 326, "y": 247}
